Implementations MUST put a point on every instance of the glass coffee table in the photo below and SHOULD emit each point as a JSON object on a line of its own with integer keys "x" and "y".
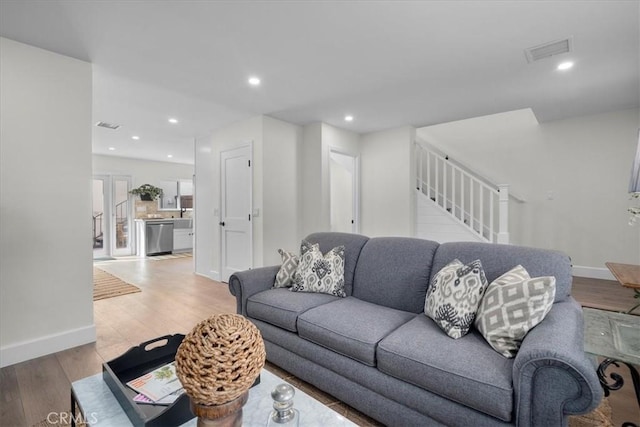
{"x": 99, "y": 406}
{"x": 616, "y": 337}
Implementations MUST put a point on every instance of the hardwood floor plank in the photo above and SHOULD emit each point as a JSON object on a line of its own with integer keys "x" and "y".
{"x": 80, "y": 362}
{"x": 603, "y": 294}
{"x": 11, "y": 410}
{"x": 44, "y": 388}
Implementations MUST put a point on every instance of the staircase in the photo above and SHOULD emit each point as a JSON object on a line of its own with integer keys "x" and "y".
{"x": 454, "y": 204}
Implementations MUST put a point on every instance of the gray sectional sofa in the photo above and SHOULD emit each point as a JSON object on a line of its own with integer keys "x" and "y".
{"x": 376, "y": 350}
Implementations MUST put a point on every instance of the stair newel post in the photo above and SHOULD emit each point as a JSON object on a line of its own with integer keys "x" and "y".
{"x": 420, "y": 177}
{"x": 503, "y": 214}
{"x": 428, "y": 174}
{"x": 492, "y": 217}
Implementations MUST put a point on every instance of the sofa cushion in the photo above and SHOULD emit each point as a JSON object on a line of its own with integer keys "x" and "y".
{"x": 454, "y": 297}
{"x": 394, "y": 272}
{"x": 320, "y": 273}
{"x": 351, "y": 327}
{"x": 498, "y": 259}
{"x": 512, "y": 305}
{"x": 352, "y": 243}
{"x": 478, "y": 377}
{"x": 280, "y": 307}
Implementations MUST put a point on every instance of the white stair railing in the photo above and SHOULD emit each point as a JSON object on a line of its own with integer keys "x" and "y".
{"x": 479, "y": 205}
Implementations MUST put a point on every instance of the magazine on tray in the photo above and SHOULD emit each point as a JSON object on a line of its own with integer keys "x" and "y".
{"x": 165, "y": 401}
{"x": 157, "y": 384}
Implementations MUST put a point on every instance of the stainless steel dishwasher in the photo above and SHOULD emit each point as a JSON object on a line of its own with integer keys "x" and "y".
{"x": 159, "y": 237}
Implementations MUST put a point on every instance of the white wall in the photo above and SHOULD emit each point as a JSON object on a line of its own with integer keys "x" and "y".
{"x": 312, "y": 205}
{"x": 141, "y": 171}
{"x": 318, "y": 141}
{"x": 387, "y": 176}
{"x": 46, "y": 287}
{"x": 207, "y": 168}
{"x": 281, "y": 210}
{"x": 574, "y": 174}
{"x": 275, "y": 190}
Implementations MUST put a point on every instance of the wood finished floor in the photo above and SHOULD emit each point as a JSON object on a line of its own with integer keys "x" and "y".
{"x": 173, "y": 300}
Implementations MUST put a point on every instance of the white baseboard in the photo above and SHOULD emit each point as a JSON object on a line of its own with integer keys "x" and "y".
{"x": 213, "y": 275}
{"x": 27, "y": 350}
{"x": 593, "y": 272}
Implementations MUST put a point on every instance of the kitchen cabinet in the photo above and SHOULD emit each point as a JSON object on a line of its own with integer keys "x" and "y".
{"x": 182, "y": 239}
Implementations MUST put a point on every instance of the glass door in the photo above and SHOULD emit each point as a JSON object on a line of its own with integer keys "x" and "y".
{"x": 122, "y": 228}
{"x": 100, "y": 217}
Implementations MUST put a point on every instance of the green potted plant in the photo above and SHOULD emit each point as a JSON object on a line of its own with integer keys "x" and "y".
{"x": 147, "y": 192}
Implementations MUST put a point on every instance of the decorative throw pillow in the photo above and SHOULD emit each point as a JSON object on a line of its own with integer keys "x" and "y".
{"x": 512, "y": 305}
{"x": 454, "y": 296}
{"x": 318, "y": 273}
{"x": 284, "y": 278}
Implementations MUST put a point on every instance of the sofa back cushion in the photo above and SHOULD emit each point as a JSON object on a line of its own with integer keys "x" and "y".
{"x": 498, "y": 259}
{"x": 352, "y": 243}
{"x": 394, "y": 272}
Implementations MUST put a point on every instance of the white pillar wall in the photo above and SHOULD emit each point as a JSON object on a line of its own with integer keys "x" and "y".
{"x": 46, "y": 291}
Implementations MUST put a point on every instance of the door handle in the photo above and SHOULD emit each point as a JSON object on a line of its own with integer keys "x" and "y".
{"x": 222, "y": 223}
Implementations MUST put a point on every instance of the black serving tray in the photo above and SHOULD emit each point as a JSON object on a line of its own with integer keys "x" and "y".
{"x": 139, "y": 361}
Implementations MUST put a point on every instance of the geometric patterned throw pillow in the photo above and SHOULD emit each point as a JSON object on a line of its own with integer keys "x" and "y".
{"x": 284, "y": 278}
{"x": 454, "y": 296}
{"x": 512, "y": 305}
{"x": 318, "y": 273}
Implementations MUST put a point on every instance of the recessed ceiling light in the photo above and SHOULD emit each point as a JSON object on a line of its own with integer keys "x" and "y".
{"x": 565, "y": 65}
{"x": 112, "y": 148}
{"x": 348, "y": 118}
{"x": 172, "y": 120}
{"x": 254, "y": 81}
{"x": 169, "y": 155}
{"x": 136, "y": 137}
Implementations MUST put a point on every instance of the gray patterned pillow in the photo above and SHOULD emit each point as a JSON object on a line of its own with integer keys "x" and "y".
{"x": 512, "y": 305}
{"x": 318, "y": 273}
{"x": 454, "y": 296}
{"x": 284, "y": 278}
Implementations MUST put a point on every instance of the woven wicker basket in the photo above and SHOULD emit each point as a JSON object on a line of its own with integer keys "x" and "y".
{"x": 220, "y": 359}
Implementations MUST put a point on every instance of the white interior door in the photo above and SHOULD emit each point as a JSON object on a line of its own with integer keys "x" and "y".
{"x": 235, "y": 211}
{"x": 343, "y": 192}
{"x": 101, "y": 216}
{"x": 122, "y": 221}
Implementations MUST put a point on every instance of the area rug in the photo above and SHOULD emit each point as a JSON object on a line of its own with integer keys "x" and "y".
{"x": 170, "y": 256}
{"x": 106, "y": 285}
{"x": 599, "y": 417}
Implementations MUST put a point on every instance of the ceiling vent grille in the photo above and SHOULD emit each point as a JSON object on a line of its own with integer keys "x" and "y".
{"x": 549, "y": 49}
{"x": 107, "y": 125}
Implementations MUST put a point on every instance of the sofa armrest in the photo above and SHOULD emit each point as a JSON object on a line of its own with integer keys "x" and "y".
{"x": 552, "y": 376}
{"x": 243, "y": 284}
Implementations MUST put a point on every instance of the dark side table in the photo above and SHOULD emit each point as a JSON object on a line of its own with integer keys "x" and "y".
{"x": 616, "y": 337}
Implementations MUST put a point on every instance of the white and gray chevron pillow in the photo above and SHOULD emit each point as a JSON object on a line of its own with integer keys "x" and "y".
{"x": 512, "y": 305}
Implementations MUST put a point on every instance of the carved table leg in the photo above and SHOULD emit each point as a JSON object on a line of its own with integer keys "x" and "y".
{"x": 618, "y": 381}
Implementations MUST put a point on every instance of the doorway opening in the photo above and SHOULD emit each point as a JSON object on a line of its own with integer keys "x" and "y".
{"x": 344, "y": 192}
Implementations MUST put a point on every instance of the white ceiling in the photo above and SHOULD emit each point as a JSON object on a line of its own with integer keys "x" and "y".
{"x": 389, "y": 63}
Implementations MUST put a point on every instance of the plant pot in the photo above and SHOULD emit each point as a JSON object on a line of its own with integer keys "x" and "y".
{"x": 146, "y": 197}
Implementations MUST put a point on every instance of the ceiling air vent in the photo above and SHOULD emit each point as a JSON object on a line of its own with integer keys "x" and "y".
{"x": 549, "y": 49}
{"x": 107, "y": 125}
